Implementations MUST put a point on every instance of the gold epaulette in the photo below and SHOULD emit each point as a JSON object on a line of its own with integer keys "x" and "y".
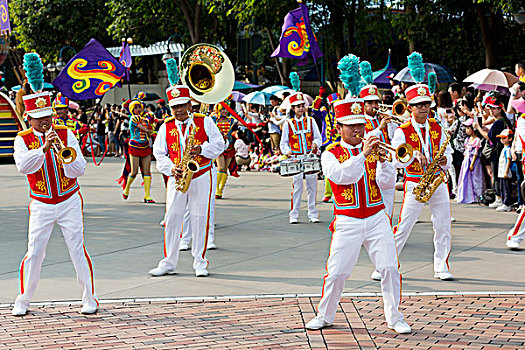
{"x": 59, "y": 127}
{"x": 199, "y": 115}
{"x": 169, "y": 119}
{"x": 333, "y": 145}
{"x": 25, "y": 132}
{"x": 405, "y": 125}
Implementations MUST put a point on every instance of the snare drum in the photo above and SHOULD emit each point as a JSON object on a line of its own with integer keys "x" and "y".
{"x": 290, "y": 167}
{"x": 310, "y": 164}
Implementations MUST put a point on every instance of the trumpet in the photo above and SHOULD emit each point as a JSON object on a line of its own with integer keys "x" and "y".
{"x": 397, "y": 110}
{"x": 64, "y": 154}
{"x": 403, "y": 152}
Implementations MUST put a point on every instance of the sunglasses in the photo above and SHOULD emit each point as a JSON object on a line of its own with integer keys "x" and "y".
{"x": 422, "y": 105}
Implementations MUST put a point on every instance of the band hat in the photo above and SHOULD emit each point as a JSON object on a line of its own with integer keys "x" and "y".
{"x": 418, "y": 93}
{"x": 350, "y": 111}
{"x": 296, "y": 99}
{"x": 178, "y": 95}
{"x": 369, "y": 93}
{"x": 38, "y": 105}
{"x": 61, "y": 101}
{"x": 505, "y": 133}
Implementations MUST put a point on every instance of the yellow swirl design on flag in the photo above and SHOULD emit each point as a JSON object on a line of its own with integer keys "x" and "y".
{"x": 294, "y": 47}
{"x": 83, "y": 77}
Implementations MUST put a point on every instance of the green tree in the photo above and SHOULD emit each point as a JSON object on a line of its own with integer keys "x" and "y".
{"x": 46, "y": 26}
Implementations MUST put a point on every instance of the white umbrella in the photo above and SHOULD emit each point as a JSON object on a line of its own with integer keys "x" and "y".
{"x": 281, "y": 92}
{"x": 492, "y": 77}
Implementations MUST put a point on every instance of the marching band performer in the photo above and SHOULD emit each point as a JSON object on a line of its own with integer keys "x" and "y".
{"x": 168, "y": 149}
{"x": 426, "y": 137}
{"x": 300, "y": 137}
{"x": 226, "y": 125}
{"x": 357, "y": 180}
{"x": 60, "y": 107}
{"x": 140, "y": 129}
{"x": 329, "y": 134}
{"x": 55, "y": 199}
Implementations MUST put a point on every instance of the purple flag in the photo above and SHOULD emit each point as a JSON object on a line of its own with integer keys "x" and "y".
{"x": 125, "y": 59}
{"x": 297, "y": 39}
{"x": 90, "y": 73}
{"x": 5, "y": 26}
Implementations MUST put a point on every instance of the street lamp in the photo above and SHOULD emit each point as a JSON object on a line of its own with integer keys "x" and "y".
{"x": 60, "y": 64}
{"x": 50, "y": 67}
{"x": 168, "y": 53}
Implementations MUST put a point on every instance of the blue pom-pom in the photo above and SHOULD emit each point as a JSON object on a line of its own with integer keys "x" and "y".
{"x": 295, "y": 81}
{"x": 416, "y": 66}
{"x": 365, "y": 69}
{"x": 349, "y": 67}
{"x": 173, "y": 71}
{"x": 34, "y": 71}
{"x": 432, "y": 82}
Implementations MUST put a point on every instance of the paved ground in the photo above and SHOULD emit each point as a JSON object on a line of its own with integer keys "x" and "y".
{"x": 259, "y": 254}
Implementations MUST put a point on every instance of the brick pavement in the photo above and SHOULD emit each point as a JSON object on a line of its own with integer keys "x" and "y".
{"x": 438, "y": 322}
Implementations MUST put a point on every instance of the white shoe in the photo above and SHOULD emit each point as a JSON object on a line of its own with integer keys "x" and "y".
{"x": 401, "y": 327}
{"x": 88, "y": 309}
{"x": 211, "y": 246}
{"x": 444, "y": 276}
{"x": 503, "y": 208}
{"x": 376, "y": 276}
{"x": 157, "y": 272}
{"x": 161, "y": 223}
{"x": 293, "y": 221}
{"x": 314, "y": 220}
{"x": 201, "y": 273}
{"x": 18, "y": 311}
{"x": 184, "y": 246}
{"x": 496, "y": 203}
{"x": 452, "y": 219}
{"x": 512, "y": 244}
{"x": 317, "y": 323}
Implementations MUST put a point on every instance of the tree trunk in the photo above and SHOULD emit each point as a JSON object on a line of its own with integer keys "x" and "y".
{"x": 487, "y": 25}
{"x": 277, "y": 64}
{"x": 410, "y": 10}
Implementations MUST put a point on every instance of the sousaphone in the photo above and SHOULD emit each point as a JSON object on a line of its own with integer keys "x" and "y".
{"x": 208, "y": 72}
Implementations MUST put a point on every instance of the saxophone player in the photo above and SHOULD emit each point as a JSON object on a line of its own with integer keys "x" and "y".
{"x": 427, "y": 138}
{"x": 169, "y": 149}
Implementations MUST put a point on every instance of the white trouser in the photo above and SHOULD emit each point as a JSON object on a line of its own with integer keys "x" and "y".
{"x": 517, "y": 233}
{"x": 186, "y": 225}
{"x": 440, "y": 208}
{"x": 42, "y": 218}
{"x": 388, "y": 200}
{"x": 375, "y": 234}
{"x": 297, "y": 192}
{"x": 197, "y": 199}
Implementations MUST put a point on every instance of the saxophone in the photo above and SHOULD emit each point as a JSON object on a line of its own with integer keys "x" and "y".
{"x": 187, "y": 163}
{"x": 429, "y": 182}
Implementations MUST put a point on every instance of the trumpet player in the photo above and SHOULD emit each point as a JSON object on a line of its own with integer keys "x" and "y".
{"x": 168, "y": 149}
{"x": 56, "y": 199}
{"x": 426, "y": 137}
{"x": 357, "y": 178}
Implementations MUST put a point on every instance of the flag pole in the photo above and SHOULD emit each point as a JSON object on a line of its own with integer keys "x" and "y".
{"x": 313, "y": 56}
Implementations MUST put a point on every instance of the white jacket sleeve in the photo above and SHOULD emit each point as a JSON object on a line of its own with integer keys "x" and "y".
{"x": 285, "y": 139}
{"x": 215, "y": 145}
{"x": 160, "y": 150}
{"x": 386, "y": 175}
{"x": 345, "y": 173}
{"x": 78, "y": 166}
{"x": 317, "y": 135}
{"x": 27, "y": 161}
{"x": 448, "y": 151}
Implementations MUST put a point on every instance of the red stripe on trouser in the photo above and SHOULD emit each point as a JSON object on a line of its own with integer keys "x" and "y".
{"x": 332, "y": 229}
{"x": 22, "y": 275}
{"x": 90, "y": 265}
{"x": 518, "y": 225}
{"x": 208, "y": 219}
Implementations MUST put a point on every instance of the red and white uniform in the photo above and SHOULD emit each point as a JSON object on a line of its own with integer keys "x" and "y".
{"x": 55, "y": 195}
{"x": 298, "y": 136}
{"x": 360, "y": 219}
{"x": 426, "y": 138}
{"x": 168, "y": 149}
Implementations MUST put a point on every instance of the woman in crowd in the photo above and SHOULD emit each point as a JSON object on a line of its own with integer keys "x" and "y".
{"x": 470, "y": 181}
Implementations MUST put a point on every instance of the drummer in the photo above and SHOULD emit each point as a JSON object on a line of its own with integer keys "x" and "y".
{"x": 301, "y": 136}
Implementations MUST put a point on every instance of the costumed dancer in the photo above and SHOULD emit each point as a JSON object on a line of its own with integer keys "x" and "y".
{"x": 357, "y": 181}
{"x": 54, "y": 190}
{"x": 168, "y": 149}
{"x": 301, "y": 137}
{"x": 427, "y": 138}
{"x": 226, "y": 125}
{"x": 139, "y": 148}
{"x": 61, "y": 117}
{"x": 329, "y": 133}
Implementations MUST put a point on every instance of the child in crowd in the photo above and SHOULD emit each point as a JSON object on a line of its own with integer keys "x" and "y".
{"x": 254, "y": 158}
{"x": 242, "y": 155}
{"x": 471, "y": 184}
{"x": 504, "y": 172}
